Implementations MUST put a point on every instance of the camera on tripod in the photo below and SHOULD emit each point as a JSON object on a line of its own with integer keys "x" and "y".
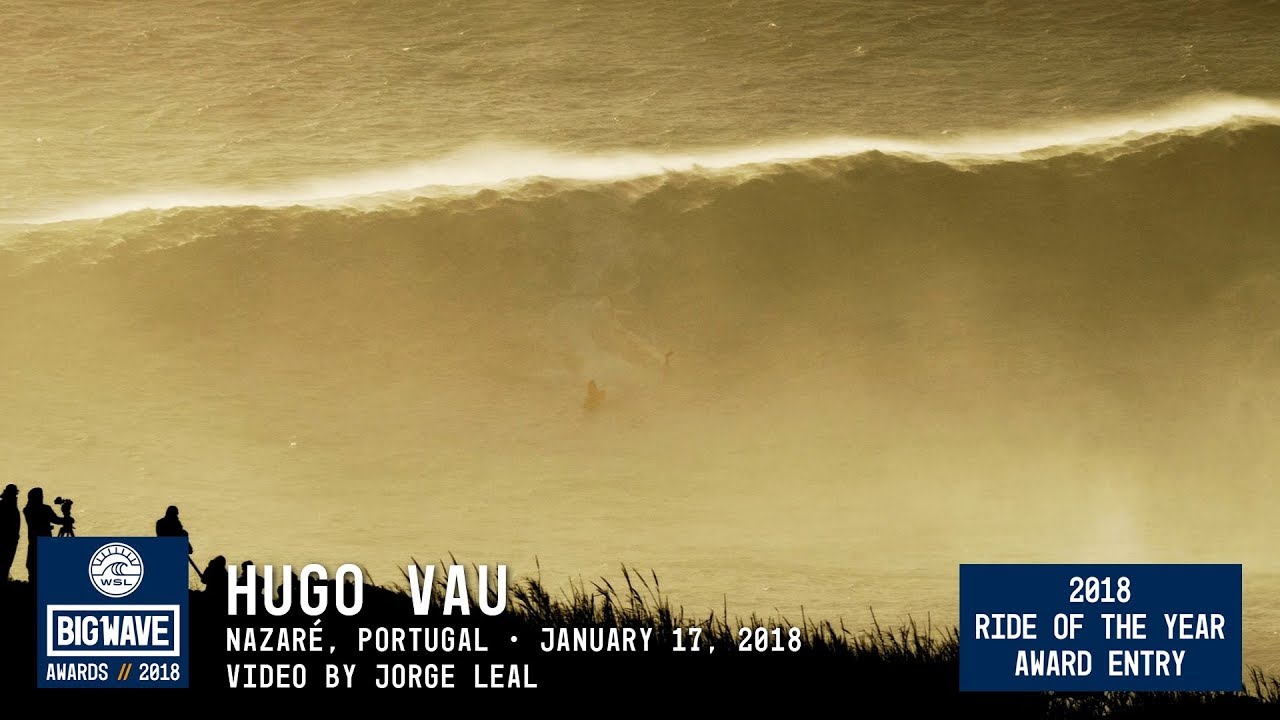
{"x": 68, "y": 525}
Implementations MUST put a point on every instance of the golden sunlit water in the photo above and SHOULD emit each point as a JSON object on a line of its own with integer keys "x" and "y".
{"x": 871, "y": 291}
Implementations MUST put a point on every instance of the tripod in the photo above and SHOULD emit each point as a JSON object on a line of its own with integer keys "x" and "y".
{"x": 68, "y": 523}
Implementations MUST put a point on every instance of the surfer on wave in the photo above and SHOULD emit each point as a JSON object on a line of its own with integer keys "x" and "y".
{"x": 595, "y": 396}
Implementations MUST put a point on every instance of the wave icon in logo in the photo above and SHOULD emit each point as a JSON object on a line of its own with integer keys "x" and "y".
{"x": 115, "y": 570}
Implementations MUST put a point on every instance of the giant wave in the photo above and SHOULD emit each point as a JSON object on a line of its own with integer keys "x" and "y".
{"x": 1130, "y": 265}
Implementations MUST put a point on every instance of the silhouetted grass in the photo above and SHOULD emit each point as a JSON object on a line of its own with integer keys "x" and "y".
{"x": 908, "y": 667}
{"x": 919, "y": 663}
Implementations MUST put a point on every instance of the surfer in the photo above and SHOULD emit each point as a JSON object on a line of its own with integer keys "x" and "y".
{"x": 595, "y": 396}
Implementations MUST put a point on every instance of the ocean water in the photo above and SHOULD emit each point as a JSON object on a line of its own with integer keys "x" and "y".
{"x": 873, "y": 288}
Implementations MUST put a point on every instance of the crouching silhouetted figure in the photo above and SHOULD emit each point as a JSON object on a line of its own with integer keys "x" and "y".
{"x": 171, "y": 526}
{"x": 214, "y": 578}
{"x": 257, "y": 585}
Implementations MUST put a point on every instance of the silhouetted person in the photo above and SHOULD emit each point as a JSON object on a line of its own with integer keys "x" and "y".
{"x": 68, "y": 522}
{"x": 214, "y": 578}
{"x": 10, "y": 527}
{"x": 259, "y": 583}
{"x": 295, "y": 592}
{"x": 40, "y": 521}
{"x": 171, "y": 526}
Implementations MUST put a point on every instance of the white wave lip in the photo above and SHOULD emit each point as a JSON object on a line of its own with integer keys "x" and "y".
{"x": 495, "y": 165}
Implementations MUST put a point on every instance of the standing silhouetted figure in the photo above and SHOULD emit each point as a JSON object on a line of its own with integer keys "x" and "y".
{"x": 40, "y": 521}
{"x": 294, "y": 590}
{"x": 171, "y": 526}
{"x": 259, "y": 583}
{"x": 10, "y": 527}
{"x": 214, "y": 578}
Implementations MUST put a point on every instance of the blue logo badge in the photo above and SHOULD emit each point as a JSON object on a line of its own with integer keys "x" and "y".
{"x": 123, "y": 623}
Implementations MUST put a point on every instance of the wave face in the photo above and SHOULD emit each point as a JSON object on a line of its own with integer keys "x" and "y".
{"x": 1076, "y": 252}
{"x": 1082, "y": 326}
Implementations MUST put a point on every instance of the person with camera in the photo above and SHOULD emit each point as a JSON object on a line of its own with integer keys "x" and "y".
{"x": 68, "y": 522}
{"x": 40, "y": 521}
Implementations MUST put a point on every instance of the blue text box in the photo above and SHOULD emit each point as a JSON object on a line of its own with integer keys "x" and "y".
{"x": 1044, "y": 627}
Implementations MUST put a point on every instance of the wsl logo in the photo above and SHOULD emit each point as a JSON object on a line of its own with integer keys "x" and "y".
{"x": 116, "y": 570}
{"x": 112, "y": 629}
